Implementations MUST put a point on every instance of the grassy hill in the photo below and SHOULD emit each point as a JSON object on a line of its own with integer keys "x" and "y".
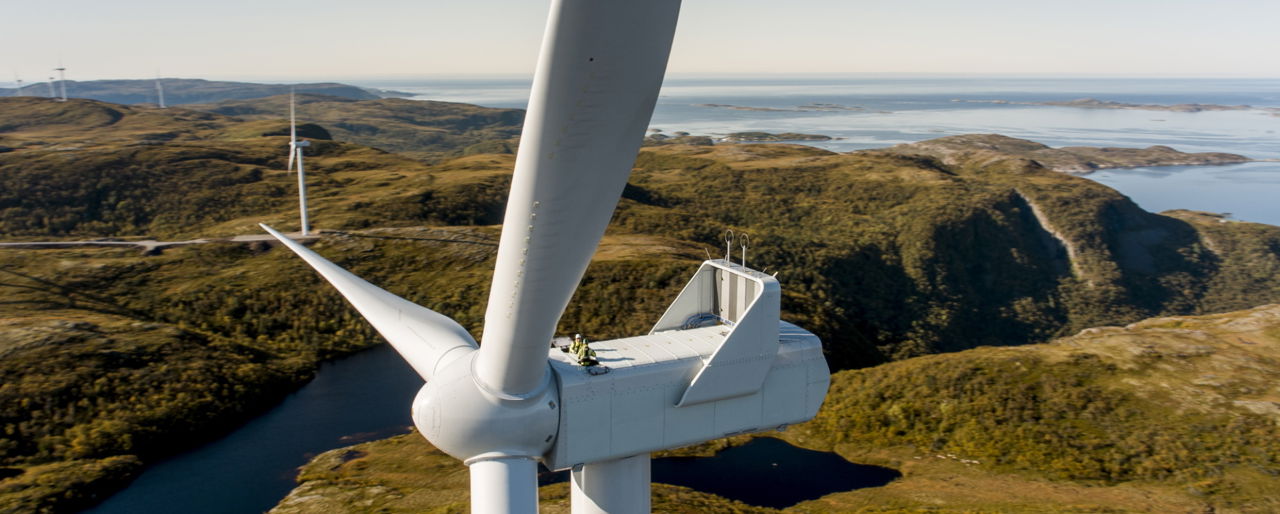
{"x": 92, "y": 169}
{"x": 111, "y": 355}
{"x": 406, "y": 474}
{"x": 1188, "y": 406}
{"x": 426, "y": 130}
{"x": 1165, "y": 415}
{"x": 885, "y": 256}
{"x": 179, "y": 91}
{"x": 889, "y": 256}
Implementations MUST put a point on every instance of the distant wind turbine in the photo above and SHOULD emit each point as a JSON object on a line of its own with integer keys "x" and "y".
{"x": 18, "y": 92}
{"x": 295, "y": 153}
{"x": 62, "y": 80}
{"x": 160, "y": 92}
{"x": 52, "y": 93}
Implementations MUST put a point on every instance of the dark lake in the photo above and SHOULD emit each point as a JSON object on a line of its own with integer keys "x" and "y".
{"x": 765, "y": 472}
{"x": 770, "y": 472}
{"x": 363, "y": 397}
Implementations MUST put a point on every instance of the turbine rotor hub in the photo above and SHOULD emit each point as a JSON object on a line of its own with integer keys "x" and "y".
{"x": 464, "y": 419}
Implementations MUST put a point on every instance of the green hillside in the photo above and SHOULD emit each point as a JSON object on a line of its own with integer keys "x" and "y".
{"x": 406, "y": 474}
{"x": 1187, "y": 406}
{"x": 88, "y": 169}
{"x": 885, "y": 256}
{"x": 178, "y": 91}
{"x": 426, "y": 130}
{"x": 1165, "y": 415}
{"x": 111, "y": 354}
{"x": 888, "y": 257}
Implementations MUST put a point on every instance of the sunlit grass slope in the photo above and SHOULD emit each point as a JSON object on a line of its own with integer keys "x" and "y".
{"x": 884, "y": 256}
{"x": 1175, "y": 414}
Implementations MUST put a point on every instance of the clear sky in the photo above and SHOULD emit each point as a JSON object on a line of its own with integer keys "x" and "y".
{"x": 337, "y": 40}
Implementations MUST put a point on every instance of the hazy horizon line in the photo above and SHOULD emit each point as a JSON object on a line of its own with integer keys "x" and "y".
{"x": 298, "y": 79}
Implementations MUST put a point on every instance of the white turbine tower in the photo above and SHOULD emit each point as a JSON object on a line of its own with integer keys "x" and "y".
{"x": 19, "y": 91}
{"x": 159, "y": 93}
{"x": 719, "y": 361}
{"x": 52, "y": 92}
{"x": 295, "y": 155}
{"x": 62, "y": 81}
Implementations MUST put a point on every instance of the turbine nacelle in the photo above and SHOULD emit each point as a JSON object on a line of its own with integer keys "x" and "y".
{"x": 728, "y": 366}
{"x": 719, "y": 362}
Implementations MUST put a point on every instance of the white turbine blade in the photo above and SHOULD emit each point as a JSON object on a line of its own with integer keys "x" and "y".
{"x": 420, "y": 335}
{"x": 302, "y": 195}
{"x": 293, "y": 129}
{"x": 293, "y": 132}
{"x": 504, "y": 486}
{"x": 597, "y": 80}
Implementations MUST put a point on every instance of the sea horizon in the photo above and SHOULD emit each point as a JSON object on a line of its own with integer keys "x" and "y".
{"x": 868, "y": 112}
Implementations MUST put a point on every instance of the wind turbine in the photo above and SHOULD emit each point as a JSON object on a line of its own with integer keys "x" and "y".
{"x": 295, "y": 155}
{"x": 62, "y": 81}
{"x": 19, "y": 91}
{"x": 719, "y": 361}
{"x": 159, "y": 92}
{"x": 52, "y": 92}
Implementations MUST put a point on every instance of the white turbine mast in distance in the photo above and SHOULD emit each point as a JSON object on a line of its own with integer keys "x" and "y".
{"x": 62, "y": 81}
{"x": 159, "y": 92}
{"x": 52, "y": 92}
{"x": 18, "y": 91}
{"x": 719, "y": 362}
{"x": 295, "y": 156}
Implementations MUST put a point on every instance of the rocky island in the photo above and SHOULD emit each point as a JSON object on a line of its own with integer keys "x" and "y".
{"x": 1093, "y": 103}
{"x": 657, "y": 138}
{"x": 1069, "y": 159}
{"x": 767, "y": 137}
{"x": 810, "y": 107}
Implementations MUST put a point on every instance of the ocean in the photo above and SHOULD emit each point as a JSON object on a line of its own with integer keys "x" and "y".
{"x": 865, "y": 112}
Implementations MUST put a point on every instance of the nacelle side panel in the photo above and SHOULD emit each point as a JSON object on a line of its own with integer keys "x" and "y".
{"x": 633, "y": 409}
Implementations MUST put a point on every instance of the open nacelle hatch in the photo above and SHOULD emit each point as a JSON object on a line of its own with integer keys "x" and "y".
{"x": 745, "y": 301}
